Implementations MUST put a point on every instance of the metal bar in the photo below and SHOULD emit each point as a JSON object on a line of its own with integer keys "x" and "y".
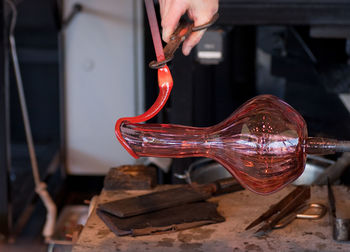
{"x": 303, "y": 45}
{"x": 22, "y": 99}
{"x": 284, "y": 13}
{"x": 153, "y": 24}
{"x": 5, "y": 214}
{"x": 40, "y": 187}
{"x": 77, "y": 8}
{"x": 62, "y": 90}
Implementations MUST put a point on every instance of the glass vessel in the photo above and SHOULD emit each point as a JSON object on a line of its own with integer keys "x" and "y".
{"x": 263, "y": 144}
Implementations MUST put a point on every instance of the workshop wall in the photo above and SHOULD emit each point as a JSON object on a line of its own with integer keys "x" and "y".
{"x": 103, "y": 81}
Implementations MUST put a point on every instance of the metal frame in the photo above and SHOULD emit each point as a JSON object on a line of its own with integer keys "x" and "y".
{"x": 5, "y": 213}
{"x": 285, "y": 12}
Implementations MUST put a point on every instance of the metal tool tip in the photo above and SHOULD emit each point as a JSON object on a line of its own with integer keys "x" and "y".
{"x": 249, "y": 227}
{"x": 260, "y": 233}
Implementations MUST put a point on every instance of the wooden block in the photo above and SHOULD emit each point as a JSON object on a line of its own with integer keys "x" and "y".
{"x": 131, "y": 177}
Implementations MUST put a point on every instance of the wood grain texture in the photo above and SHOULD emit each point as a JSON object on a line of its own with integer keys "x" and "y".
{"x": 131, "y": 177}
{"x": 239, "y": 209}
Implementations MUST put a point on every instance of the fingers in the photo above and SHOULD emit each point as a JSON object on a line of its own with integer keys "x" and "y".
{"x": 201, "y": 12}
{"x": 192, "y": 41}
{"x": 199, "y": 18}
{"x": 171, "y": 12}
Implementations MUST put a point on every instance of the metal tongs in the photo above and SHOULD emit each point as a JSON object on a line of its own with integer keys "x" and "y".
{"x": 293, "y": 206}
{"x": 182, "y": 32}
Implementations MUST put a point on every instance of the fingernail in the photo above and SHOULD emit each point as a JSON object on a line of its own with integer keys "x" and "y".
{"x": 165, "y": 35}
{"x": 186, "y": 50}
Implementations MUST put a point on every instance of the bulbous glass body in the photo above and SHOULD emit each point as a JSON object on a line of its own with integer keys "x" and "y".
{"x": 262, "y": 143}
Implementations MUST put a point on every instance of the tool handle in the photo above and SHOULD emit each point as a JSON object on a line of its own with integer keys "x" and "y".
{"x": 290, "y": 207}
{"x": 301, "y": 213}
{"x": 221, "y": 186}
{"x": 227, "y": 185}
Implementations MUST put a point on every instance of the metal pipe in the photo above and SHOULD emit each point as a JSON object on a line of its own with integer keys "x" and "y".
{"x": 40, "y": 187}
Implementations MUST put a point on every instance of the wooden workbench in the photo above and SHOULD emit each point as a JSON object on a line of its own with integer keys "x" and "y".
{"x": 239, "y": 209}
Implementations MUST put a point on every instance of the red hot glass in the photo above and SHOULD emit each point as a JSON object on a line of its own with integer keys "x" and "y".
{"x": 263, "y": 144}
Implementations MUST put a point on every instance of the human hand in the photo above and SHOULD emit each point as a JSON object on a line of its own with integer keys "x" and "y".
{"x": 200, "y": 11}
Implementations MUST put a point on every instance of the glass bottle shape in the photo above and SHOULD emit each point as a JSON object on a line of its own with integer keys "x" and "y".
{"x": 263, "y": 144}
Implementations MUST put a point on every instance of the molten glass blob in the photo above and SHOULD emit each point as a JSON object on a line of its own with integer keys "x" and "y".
{"x": 263, "y": 143}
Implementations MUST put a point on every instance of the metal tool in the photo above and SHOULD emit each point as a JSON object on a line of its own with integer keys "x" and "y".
{"x": 341, "y": 227}
{"x": 169, "y": 198}
{"x": 183, "y": 31}
{"x": 153, "y": 24}
{"x": 300, "y": 213}
{"x": 291, "y": 207}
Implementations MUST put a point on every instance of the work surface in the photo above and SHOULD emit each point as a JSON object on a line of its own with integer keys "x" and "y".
{"x": 239, "y": 209}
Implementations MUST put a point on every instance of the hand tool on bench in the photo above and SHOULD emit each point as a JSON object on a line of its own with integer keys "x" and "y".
{"x": 341, "y": 226}
{"x": 291, "y": 207}
{"x": 168, "y": 198}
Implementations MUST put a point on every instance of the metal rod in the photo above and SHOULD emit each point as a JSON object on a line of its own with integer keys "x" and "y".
{"x": 304, "y": 46}
{"x": 77, "y": 8}
{"x": 323, "y": 146}
{"x": 153, "y": 24}
{"x": 40, "y": 187}
{"x": 22, "y": 98}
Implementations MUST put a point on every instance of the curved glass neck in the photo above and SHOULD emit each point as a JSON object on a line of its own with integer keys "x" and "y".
{"x": 164, "y": 140}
